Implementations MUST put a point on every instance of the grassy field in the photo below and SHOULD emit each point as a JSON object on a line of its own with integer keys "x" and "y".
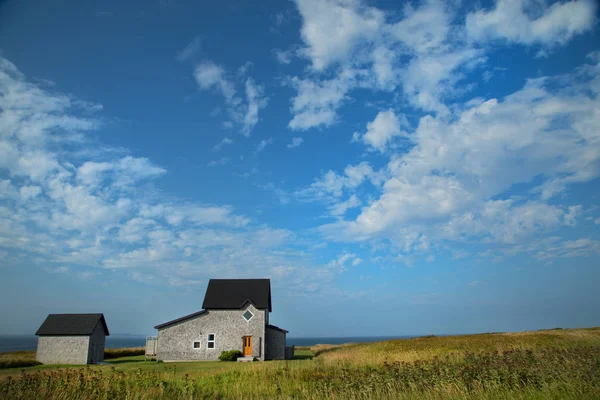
{"x": 554, "y": 364}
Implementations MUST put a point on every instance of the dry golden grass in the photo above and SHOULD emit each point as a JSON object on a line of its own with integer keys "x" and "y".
{"x": 17, "y": 359}
{"x": 429, "y": 347}
{"x": 123, "y": 352}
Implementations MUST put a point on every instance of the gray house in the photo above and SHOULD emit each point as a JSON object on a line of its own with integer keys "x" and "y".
{"x": 71, "y": 339}
{"x": 235, "y": 316}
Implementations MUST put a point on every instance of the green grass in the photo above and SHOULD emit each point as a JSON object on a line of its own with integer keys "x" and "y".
{"x": 554, "y": 364}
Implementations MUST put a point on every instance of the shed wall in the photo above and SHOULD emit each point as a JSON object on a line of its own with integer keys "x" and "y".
{"x": 96, "y": 345}
{"x": 62, "y": 349}
{"x": 175, "y": 342}
{"x": 275, "y": 344}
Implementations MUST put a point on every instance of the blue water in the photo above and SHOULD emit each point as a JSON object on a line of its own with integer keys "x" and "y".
{"x": 17, "y": 343}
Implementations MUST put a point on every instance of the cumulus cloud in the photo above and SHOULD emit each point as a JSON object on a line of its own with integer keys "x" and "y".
{"x": 341, "y": 263}
{"x": 365, "y": 47}
{"x": 453, "y": 184}
{"x": 532, "y": 22}
{"x": 423, "y": 49}
{"x": 333, "y": 185}
{"x": 382, "y": 130}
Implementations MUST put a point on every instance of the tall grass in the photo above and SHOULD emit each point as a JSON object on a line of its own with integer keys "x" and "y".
{"x": 429, "y": 347}
{"x": 549, "y": 373}
{"x": 124, "y": 352}
{"x": 18, "y": 359}
{"x": 540, "y": 365}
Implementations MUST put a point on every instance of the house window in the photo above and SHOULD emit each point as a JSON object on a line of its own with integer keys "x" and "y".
{"x": 247, "y": 315}
{"x": 211, "y": 341}
{"x": 196, "y": 344}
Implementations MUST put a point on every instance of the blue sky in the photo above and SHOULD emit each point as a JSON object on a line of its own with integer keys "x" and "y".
{"x": 394, "y": 168}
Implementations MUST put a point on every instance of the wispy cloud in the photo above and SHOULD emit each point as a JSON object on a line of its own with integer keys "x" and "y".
{"x": 86, "y": 215}
{"x": 296, "y": 141}
{"x": 224, "y": 142}
{"x": 209, "y": 76}
{"x": 263, "y": 145}
{"x": 191, "y": 49}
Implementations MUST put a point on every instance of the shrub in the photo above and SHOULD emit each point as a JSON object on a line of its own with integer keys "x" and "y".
{"x": 231, "y": 355}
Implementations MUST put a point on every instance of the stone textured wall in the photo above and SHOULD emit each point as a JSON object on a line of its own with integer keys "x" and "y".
{"x": 62, "y": 349}
{"x": 96, "y": 346}
{"x": 275, "y": 344}
{"x": 175, "y": 342}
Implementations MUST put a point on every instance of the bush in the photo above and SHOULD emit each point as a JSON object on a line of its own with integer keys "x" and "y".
{"x": 231, "y": 355}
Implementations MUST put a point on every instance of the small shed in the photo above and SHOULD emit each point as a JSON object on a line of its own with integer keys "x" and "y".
{"x": 72, "y": 339}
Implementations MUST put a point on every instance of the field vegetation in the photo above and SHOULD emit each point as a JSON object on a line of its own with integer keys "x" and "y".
{"x": 554, "y": 364}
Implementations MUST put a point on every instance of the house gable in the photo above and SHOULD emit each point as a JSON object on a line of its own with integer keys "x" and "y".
{"x": 230, "y": 294}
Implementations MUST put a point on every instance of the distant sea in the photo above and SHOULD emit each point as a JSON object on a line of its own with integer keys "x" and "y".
{"x": 26, "y": 342}
{"x": 18, "y": 343}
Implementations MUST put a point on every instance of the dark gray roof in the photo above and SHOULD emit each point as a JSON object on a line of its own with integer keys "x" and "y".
{"x": 71, "y": 325}
{"x": 180, "y": 319}
{"x": 234, "y": 293}
{"x": 277, "y": 328}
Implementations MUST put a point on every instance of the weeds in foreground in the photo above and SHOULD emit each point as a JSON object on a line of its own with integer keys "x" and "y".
{"x": 549, "y": 373}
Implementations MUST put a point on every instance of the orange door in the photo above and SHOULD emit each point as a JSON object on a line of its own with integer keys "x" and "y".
{"x": 247, "y": 345}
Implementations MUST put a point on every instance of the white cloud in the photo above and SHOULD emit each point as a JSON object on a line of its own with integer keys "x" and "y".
{"x": 296, "y": 141}
{"x": 333, "y": 185}
{"x": 569, "y": 249}
{"x": 256, "y": 102}
{"x": 224, "y": 142}
{"x": 58, "y": 270}
{"x": 125, "y": 171}
{"x": 221, "y": 161}
{"x": 190, "y": 50}
{"x": 263, "y": 144}
{"x": 317, "y": 101}
{"x": 284, "y": 56}
{"x": 382, "y": 130}
{"x": 340, "y": 264}
{"x": 332, "y": 28}
{"x": 370, "y": 48}
{"x": 339, "y": 209}
{"x": 86, "y": 209}
{"x": 572, "y": 214}
{"x": 532, "y": 22}
{"x": 29, "y": 192}
{"x": 443, "y": 185}
{"x": 210, "y": 75}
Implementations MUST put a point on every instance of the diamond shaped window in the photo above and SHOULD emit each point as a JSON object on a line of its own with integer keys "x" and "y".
{"x": 247, "y": 315}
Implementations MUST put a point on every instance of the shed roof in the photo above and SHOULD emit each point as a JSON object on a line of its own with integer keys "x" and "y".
{"x": 165, "y": 324}
{"x": 277, "y": 328}
{"x": 71, "y": 325}
{"x": 235, "y": 293}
